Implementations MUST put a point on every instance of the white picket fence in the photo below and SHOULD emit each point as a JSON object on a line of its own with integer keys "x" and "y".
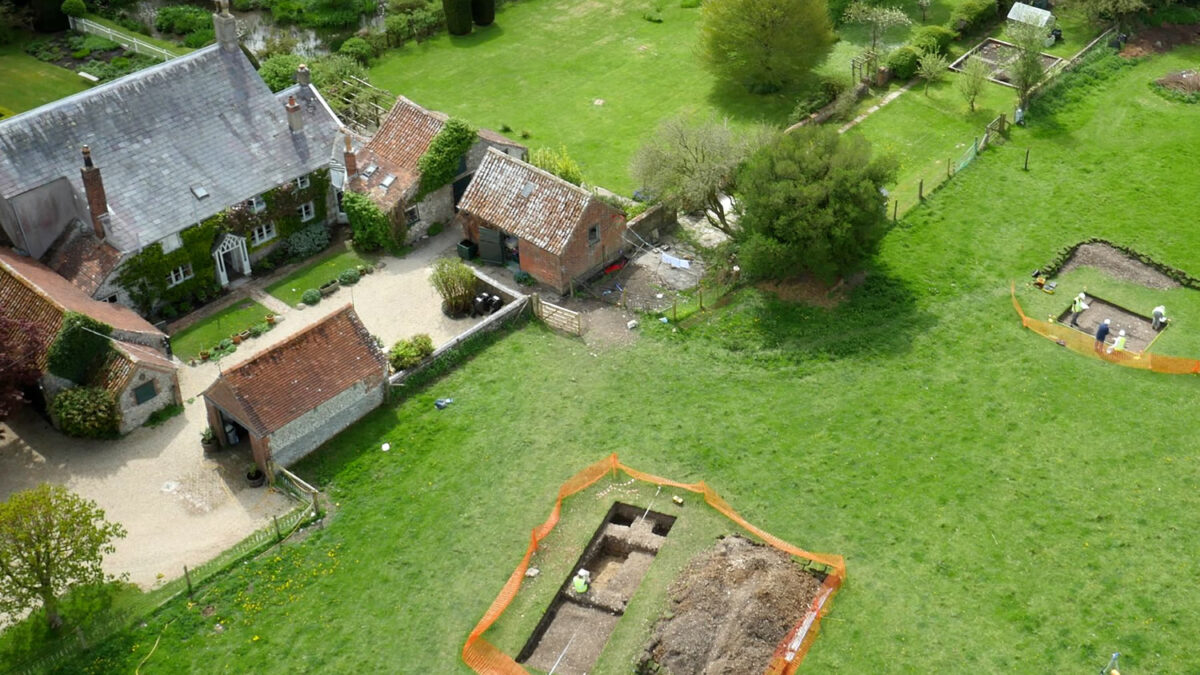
{"x": 124, "y": 39}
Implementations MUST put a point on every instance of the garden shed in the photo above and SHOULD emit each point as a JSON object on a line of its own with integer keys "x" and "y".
{"x": 139, "y": 373}
{"x": 288, "y": 400}
{"x": 556, "y": 231}
{"x": 1030, "y": 15}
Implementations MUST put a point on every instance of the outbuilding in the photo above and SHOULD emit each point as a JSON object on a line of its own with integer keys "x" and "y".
{"x": 556, "y": 231}
{"x": 288, "y": 400}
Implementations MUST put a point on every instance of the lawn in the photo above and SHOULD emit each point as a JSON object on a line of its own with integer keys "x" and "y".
{"x": 29, "y": 83}
{"x": 172, "y": 47}
{"x": 1003, "y": 504}
{"x": 206, "y": 333}
{"x": 290, "y": 288}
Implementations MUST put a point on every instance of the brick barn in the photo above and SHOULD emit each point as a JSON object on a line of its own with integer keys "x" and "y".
{"x": 288, "y": 400}
{"x": 556, "y": 231}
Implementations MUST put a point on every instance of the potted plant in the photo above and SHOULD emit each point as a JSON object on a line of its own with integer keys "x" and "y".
{"x": 205, "y": 354}
{"x": 237, "y": 338}
{"x": 244, "y": 335}
{"x": 270, "y": 319}
{"x": 329, "y": 287}
{"x": 255, "y": 476}
{"x": 208, "y": 440}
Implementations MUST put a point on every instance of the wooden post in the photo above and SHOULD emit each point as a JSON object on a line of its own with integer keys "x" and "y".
{"x": 622, "y": 297}
{"x": 316, "y": 506}
{"x": 675, "y": 310}
{"x": 1003, "y": 126}
{"x": 278, "y": 534}
{"x": 895, "y": 209}
{"x": 921, "y": 190}
{"x": 701, "y": 290}
{"x": 947, "y": 167}
{"x": 1026, "y": 159}
{"x": 188, "y": 577}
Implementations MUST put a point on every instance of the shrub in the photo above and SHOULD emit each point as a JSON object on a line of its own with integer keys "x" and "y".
{"x": 368, "y": 223}
{"x": 74, "y": 8}
{"x": 79, "y": 349}
{"x": 435, "y": 229}
{"x": 162, "y": 415}
{"x": 308, "y": 241}
{"x": 483, "y": 12}
{"x": 408, "y": 353}
{"x": 843, "y": 106}
{"x": 258, "y": 329}
{"x": 903, "y": 62}
{"x": 348, "y": 277}
{"x": 181, "y": 19}
{"x": 311, "y": 297}
{"x": 557, "y": 162}
{"x": 198, "y": 38}
{"x": 168, "y": 311}
{"x": 97, "y": 43}
{"x": 932, "y": 39}
{"x": 458, "y": 16}
{"x": 279, "y": 71}
{"x": 87, "y": 412}
{"x": 455, "y": 282}
{"x": 397, "y": 28}
{"x": 358, "y": 49}
{"x": 439, "y": 165}
{"x": 972, "y": 15}
{"x": 243, "y": 5}
{"x": 427, "y": 21}
{"x": 524, "y": 278}
{"x": 81, "y": 54}
{"x": 825, "y": 92}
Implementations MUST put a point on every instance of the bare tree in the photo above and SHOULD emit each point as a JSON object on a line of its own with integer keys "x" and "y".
{"x": 690, "y": 165}
{"x": 878, "y": 19}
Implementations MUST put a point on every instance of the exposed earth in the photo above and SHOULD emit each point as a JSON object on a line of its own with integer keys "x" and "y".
{"x": 1118, "y": 265}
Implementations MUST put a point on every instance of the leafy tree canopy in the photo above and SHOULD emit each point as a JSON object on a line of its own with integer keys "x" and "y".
{"x": 764, "y": 45}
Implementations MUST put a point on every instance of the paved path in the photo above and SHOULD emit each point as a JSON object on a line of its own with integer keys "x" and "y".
{"x": 180, "y": 507}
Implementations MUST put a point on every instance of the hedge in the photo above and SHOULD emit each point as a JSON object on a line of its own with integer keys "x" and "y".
{"x": 87, "y": 412}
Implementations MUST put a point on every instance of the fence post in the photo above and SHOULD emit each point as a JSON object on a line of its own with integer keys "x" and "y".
{"x": 895, "y": 209}
{"x": 1026, "y": 159}
{"x": 947, "y": 167}
{"x": 316, "y": 506}
{"x": 188, "y": 577}
{"x": 675, "y": 310}
{"x": 701, "y": 290}
{"x": 278, "y": 534}
{"x": 921, "y": 190}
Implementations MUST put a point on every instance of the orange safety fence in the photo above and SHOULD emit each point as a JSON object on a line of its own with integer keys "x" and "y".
{"x": 1085, "y": 344}
{"x": 486, "y": 659}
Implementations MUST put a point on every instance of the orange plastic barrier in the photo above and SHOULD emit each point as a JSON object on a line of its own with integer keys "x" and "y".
{"x": 1085, "y": 344}
{"x": 486, "y": 659}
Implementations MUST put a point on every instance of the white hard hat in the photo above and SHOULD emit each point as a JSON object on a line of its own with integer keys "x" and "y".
{"x": 1107, "y": 321}
{"x": 1122, "y": 333}
{"x": 1082, "y": 296}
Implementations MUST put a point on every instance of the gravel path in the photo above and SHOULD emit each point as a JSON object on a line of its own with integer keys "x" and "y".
{"x": 180, "y": 507}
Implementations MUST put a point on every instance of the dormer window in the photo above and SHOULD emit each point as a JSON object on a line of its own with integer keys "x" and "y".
{"x": 303, "y": 182}
{"x": 258, "y": 204}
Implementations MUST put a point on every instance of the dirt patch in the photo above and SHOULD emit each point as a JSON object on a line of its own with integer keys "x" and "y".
{"x": 1138, "y": 331}
{"x": 811, "y": 291}
{"x": 999, "y": 55}
{"x": 1160, "y": 39}
{"x": 1182, "y": 81}
{"x": 1118, "y": 265}
{"x": 729, "y": 610}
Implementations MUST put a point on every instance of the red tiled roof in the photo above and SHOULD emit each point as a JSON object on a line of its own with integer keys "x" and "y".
{"x": 525, "y": 201}
{"x": 125, "y": 361}
{"x": 403, "y": 136}
{"x": 44, "y": 286}
{"x": 85, "y": 261}
{"x": 283, "y": 383}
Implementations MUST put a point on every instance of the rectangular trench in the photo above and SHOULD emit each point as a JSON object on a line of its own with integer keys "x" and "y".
{"x": 575, "y": 627}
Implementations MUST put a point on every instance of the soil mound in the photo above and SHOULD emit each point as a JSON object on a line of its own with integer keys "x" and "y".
{"x": 1119, "y": 265}
{"x": 729, "y": 610}
{"x": 1160, "y": 39}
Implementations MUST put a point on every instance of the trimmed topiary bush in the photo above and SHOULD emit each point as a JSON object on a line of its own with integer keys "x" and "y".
{"x": 87, "y": 412}
{"x": 408, "y": 353}
{"x": 348, "y": 277}
{"x": 74, "y": 8}
{"x": 311, "y": 297}
{"x": 458, "y": 16}
{"x": 903, "y": 62}
{"x": 358, "y": 49}
{"x": 483, "y": 12}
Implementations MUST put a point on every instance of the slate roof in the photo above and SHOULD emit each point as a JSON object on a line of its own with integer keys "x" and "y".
{"x": 283, "y": 383}
{"x": 31, "y": 290}
{"x": 201, "y": 120}
{"x": 525, "y": 201}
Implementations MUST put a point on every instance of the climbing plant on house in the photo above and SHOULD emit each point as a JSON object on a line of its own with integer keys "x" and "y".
{"x": 80, "y": 348}
{"x": 440, "y": 163}
{"x": 370, "y": 226}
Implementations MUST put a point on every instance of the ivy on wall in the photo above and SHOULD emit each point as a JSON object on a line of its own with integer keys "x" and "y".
{"x": 440, "y": 163}
{"x": 145, "y": 275}
{"x": 80, "y": 348}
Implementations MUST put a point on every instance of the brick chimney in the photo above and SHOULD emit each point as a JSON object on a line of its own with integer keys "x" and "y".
{"x": 225, "y": 26}
{"x": 303, "y": 77}
{"x": 93, "y": 188}
{"x": 295, "y": 121}
{"x": 350, "y": 157}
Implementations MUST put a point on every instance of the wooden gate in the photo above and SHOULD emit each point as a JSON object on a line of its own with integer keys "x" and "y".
{"x": 559, "y": 318}
{"x": 491, "y": 246}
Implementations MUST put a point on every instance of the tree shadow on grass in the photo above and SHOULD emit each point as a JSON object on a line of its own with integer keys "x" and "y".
{"x": 480, "y": 35}
{"x": 880, "y": 318}
{"x": 735, "y": 102}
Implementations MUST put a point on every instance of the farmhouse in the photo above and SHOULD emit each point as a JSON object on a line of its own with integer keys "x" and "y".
{"x": 295, "y": 396}
{"x": 386, "y": 167}
{"x": 555, "y": 231}
{"x": 166, "y": 185}
{"x": 138, "y": 372}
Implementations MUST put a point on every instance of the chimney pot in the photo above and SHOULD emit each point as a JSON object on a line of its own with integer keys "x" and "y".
{"x": 350, "y": 158}
{"x": 93, "y": 190}
{"x": 303, "y": 76}
{"x": 225, "y": 27}
{"x": 295, "y": 120}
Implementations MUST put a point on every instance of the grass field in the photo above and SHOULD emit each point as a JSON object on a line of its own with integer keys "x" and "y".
{"x": 290, "y": 288}
{"x": 1003, "y": 504}
{"x": 206, "y": 333}
{"x": 29, "y": 83}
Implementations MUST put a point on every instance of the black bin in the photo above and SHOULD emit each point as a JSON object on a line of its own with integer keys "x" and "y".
{"x": 467, "y": 249}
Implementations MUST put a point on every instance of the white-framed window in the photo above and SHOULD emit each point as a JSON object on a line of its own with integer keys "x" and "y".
{"x": 594, "y": 234}
{"x": 306, "y": 211}
{"x": 171, "y": 242}
{"x": 258, "y": 204}
{"x": 179, "y": 275}
{"x": 262, "y": 233}
{"x": 303, "y": 182}
{"x": 412, "y": 215}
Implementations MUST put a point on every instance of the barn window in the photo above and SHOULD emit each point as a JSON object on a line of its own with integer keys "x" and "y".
{"x": 593, "y": 234}
{"x": 145, "y": 392}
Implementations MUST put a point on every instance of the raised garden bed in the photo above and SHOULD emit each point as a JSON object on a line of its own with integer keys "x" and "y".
{"x": 999, "y": 54}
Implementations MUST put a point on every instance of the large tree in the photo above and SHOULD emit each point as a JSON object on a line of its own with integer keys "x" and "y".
{"x": 877, "y": 18}
{"x": 812, "y": 202}
{"x": 690, "y": 165}
{"x": 19, "y": 340}
{"x": 764, "y": 45}
{"x": 50, "y": 540}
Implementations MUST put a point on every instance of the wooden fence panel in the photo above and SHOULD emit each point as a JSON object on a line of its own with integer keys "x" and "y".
{"x": 559, "y": 318}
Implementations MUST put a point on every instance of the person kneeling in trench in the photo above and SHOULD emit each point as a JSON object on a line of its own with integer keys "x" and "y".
{"x": 581, "y": 581}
